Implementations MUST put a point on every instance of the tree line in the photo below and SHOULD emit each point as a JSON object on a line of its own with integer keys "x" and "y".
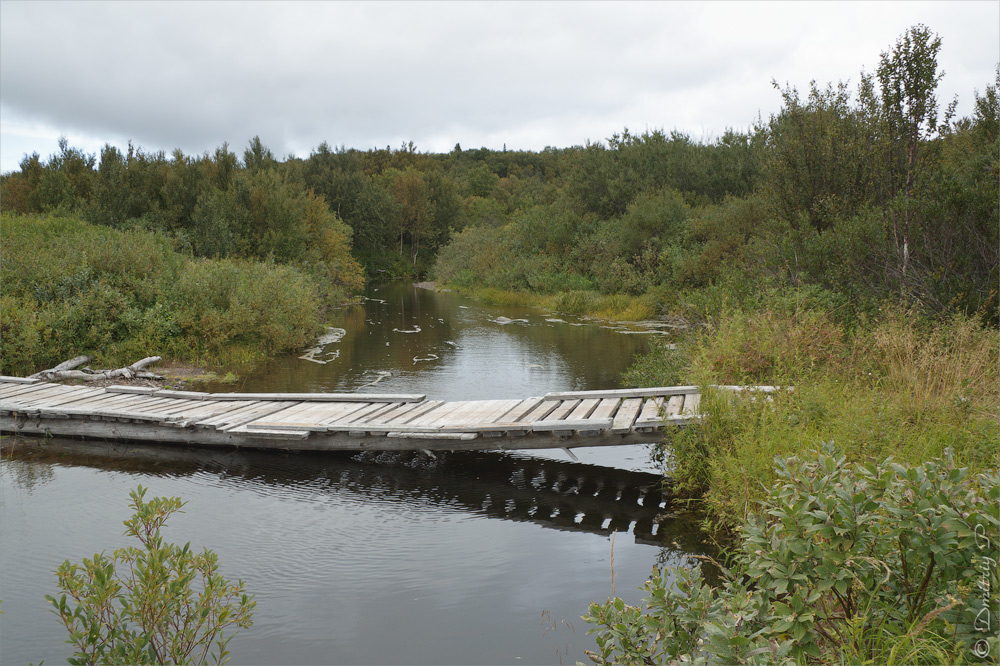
{"x": 868, "y": 194}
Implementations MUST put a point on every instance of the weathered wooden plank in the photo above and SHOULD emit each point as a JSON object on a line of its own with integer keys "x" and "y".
{"x": 673, "y": 407}
{"x": 564, "y": 409}
{"x": 361, "y": 410}
{"x": 18, "y": 380}
{"x": 435, "y": 416}
{"x": 478, "y": 412}
{"x": 47, "y": 391}
{"x": 52, "y": 392}
{"x": 191, "y": 411}
{"x": 606, "y": 409}
{"x": 408, "y": 415}
{"x": 231, "y": 419}
{"x": 649, "y": 416}
{"x": 183, "y": 395}
{"x": 397, "y": 412}
{"x": 375, "y": 412}
{"x": 320, "y": 397}
{"x": 499, "y": 411}
{"x": 311, "y": 416}
{"x": 152, "y": 403}
{"x": 21, "y": 389}
{"x": 544, "y": 408}
{"x": 584, "y": 409}
{"x": 89, "y": 399}
{"x": 270, "y": 434}
{"x": 145, "y": 390}
{"x": 626, "y": 415}
{"x": 289, "y": 413}
{"x": 319, "y": 413}
{"x": 90, "y": 413}
{"x": 115, "y": 409}
{"x": 465, "y": 413}
{"x": 459, "y": 436}
{"x": 566, "y": 425}
{"x": 624, "y": 393}
{"x": 70, "y": 394}
{"x": 691, "y": 405}
{"x": 232, "y": 415}
{"x": 97, "y": 400}
{"x": 359, "y": 415}
{"x": 181, "y": 405}
{"x": 527, "y": 406}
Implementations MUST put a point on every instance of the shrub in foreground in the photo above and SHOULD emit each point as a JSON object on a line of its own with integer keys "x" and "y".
{"x": 878, "y": 564}
{"x": 159, "y": 604}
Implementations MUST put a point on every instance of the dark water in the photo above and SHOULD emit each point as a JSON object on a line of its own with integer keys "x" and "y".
{"x": 469, "y": 558}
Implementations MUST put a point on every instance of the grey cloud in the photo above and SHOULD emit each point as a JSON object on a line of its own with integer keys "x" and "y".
{"x": 192, "y": 75}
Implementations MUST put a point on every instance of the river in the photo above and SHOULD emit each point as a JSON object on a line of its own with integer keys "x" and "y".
{"x": 466, "y": 558}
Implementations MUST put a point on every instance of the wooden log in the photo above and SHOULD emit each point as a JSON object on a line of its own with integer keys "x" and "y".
{"x": 65, "y": 371}
{"x": 624, "y": 393}
{"x": 62, "y": 367}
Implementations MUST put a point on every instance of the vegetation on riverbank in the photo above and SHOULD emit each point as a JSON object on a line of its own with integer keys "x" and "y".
{"x": 70, "y": 287}
{"x": 900, "y": 385}
{"x": 843, "y": 564}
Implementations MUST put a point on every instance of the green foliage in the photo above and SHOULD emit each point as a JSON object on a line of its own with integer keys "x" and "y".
{"x": 899, "y": 385}
{"x": 71, "y": 288}
{"x": 860, "y": 564}
{"x": 158, "y": 604}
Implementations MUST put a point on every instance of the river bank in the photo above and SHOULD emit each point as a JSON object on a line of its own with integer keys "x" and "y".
{"x": 71, "y": 288}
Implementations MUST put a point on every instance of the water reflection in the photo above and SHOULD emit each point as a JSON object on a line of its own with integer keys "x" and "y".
{"x": 555, "y": 494}
{"x": 405, "y": 339}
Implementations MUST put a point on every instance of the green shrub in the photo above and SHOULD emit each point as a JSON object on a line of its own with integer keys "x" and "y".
{"x": 876, "y": 564}
{"x": 72, "y": 288}
{"x": 159, "y": 604}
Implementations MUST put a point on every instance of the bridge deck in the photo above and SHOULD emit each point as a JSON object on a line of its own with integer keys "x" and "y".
{"x": 356, "y": 421}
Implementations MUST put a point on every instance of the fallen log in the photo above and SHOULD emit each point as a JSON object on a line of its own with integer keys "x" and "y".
{"x": 66, "y": 370}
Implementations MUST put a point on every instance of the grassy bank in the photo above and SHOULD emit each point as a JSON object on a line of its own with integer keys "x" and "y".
{"x": 612, "y": 307}
{"x": 898, "y": 385}
{"x": 70, "y": 287}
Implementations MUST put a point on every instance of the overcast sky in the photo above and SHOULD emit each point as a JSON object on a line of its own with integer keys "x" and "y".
{"x": 192, "y": 75}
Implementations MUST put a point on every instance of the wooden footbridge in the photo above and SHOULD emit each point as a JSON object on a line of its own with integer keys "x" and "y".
{"x": 343, "y": 422}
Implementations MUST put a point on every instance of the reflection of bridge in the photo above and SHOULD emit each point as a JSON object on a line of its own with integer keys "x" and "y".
{"x": 555, "y": 494}
{"x": 344, "y": 422}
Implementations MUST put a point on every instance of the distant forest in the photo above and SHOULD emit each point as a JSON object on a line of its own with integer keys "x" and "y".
{"x": 867, "y": 194}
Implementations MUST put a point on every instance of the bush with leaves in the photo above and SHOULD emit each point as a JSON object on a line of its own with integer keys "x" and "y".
{"x": 161, "y": 603}
{"x": 879, "y": 564}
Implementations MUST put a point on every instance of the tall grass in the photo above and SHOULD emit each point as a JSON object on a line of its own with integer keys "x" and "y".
{"x": 72, "y": 288}
{"x": 899, "y": 386}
